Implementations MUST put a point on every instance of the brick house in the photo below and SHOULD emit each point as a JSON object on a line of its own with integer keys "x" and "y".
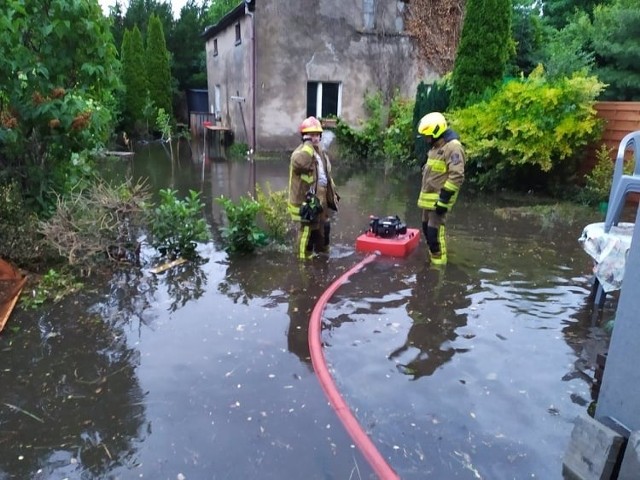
{"x": 271, "y": 67}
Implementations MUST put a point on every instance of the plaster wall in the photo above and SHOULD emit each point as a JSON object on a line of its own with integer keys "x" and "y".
{"x": 231, "y": 70}
{"x": 358, "y": 43}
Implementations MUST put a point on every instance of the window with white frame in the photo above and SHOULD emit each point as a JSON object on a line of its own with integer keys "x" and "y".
{"x": 324, "y": 99}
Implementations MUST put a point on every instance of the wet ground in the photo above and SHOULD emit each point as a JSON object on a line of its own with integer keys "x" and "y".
{"x": 203, "y": 372}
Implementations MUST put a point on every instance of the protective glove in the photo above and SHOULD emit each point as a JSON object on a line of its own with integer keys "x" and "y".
{"x": 442, "y": 205}
{"x": 441, "y": 209}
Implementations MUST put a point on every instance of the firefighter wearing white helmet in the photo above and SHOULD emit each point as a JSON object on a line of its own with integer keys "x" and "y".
{"x": 442, "y": 177}
{"x": 311, "y": 191}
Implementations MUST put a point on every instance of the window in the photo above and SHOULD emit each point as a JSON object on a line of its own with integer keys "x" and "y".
{"x": 238, "y": 37}
{"x": 215, "y": 47}
{"x": 324, "y": 99}
{"x": 369, "y": 14}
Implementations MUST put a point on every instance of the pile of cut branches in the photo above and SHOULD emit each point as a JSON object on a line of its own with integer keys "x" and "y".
{"x": 98, "y": 223}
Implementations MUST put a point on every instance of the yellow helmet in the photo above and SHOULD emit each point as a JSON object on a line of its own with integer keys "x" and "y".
{"x": 432, "y": 124}
{"x": 310, "y": 125}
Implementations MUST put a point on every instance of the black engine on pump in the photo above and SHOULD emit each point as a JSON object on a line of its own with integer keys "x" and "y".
{"x": 387, "y": 227}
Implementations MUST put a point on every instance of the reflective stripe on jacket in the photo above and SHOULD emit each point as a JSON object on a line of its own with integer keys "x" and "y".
{"x": 303, "y": 176}
{"x": 444, "y": 169}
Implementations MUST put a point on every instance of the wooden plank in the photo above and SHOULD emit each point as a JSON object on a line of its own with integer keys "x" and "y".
{"x": 11, "y": 284}
{"x": 166, "y": 266}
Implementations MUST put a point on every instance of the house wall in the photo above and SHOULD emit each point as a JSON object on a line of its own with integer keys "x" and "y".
{"x": 231, "y": 70}
{"x": 358, "y": 43}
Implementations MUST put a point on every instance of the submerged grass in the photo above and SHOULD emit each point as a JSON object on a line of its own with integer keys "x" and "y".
{"x": 550, "y": 215}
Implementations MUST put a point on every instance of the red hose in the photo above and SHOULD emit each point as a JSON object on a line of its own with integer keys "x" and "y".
{"x": 359, "y": 436}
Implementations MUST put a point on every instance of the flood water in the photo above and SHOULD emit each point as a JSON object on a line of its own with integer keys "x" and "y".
{"x": 475, "y": 371}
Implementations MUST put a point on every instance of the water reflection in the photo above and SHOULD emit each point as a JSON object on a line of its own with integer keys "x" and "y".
{"x": 437, "y": 308}
{"x": 214, "y": 356}
{"x": 81, "y": 415}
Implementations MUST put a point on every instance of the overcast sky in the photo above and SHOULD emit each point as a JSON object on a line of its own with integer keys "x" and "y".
{"x": 176, "y": 5}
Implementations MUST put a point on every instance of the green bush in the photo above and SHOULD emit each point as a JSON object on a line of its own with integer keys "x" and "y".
{"x": 399, "y": 135}
{"x": 242, "y": 234}
{"x": 274, "y": 213}
{"x": 598, "y": 181}
{"x": 365, "y": 143}
{"x": 177, "y": 225}
{"x": 387, "y": 134}
{"x": 528, "y": 129}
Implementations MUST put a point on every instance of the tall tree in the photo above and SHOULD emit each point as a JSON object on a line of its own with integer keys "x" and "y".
{"x": 527, "y": 32}
{"x": 187, "y": 47}
{"x": 157, "y": 63}
{"x": 616, "y": 45}
{"x": 134, "y": 77}
{"x": 485, "y": 47}
{"x": 558, "y": 13}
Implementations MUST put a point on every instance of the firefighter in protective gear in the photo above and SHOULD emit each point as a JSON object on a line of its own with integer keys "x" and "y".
{"x": 310, "y": 183}
{"x": 442, "y": 177}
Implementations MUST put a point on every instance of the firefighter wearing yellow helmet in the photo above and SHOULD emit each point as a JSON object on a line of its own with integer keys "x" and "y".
{"x": 311, "y": 191}
{"x": 442, "y": 177}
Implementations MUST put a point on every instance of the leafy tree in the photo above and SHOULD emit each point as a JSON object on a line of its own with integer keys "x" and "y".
{"x": 219, "y": 8}
{"x": 58, "y": 75}
{"x": 558, "y": 13}
{"x": 616, "y": 44}
{"x": 567, "y": 51}
{"x": 485, "y": 47}
{"x": 135, "y": 80}
{"x": 157, "y": 64}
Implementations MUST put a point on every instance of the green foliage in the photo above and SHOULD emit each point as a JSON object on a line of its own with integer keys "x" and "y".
{"x": 163, "y": 121}
{"x": 242, "y": 234}
{"x": 527, "y": 33}
{"x": 52, "y": 287}
{"x": 188, "y": 55}
{"x": 566, "y": 51}
{"x": 177, "y": 225}
{"x": 398, "y": 143}
{"x": 134, "y": 77}
{"x": 528, "y": 129}
{"x": 485, "y": 47}
{"x": 559, "y": 13}
{"x": 365, "y": 143}
{"x": 598, "y": 181}
{"x": 429, "y": 98}
{"x": 19, "y": 237}
{"x": 616, "y": 44}
{"x": 387, "y": 134}
{"x": 219, "y": 8}
{"x": 157, "y": 65}
{"x": 274, "y": 213}
{"x": 237, "y": 151}
{"x": 58, "y": 76}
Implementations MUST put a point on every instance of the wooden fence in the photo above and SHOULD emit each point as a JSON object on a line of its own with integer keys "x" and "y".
{"x": 620, "y": 118}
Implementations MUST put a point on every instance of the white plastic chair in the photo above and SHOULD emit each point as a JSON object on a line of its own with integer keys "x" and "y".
{"x": 621, "y": 185}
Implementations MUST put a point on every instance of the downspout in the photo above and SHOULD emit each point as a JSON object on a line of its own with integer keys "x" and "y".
{"x": 252, "y": 147}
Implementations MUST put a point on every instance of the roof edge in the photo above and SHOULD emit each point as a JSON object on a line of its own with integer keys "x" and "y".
{"x": 234, "y": 15}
